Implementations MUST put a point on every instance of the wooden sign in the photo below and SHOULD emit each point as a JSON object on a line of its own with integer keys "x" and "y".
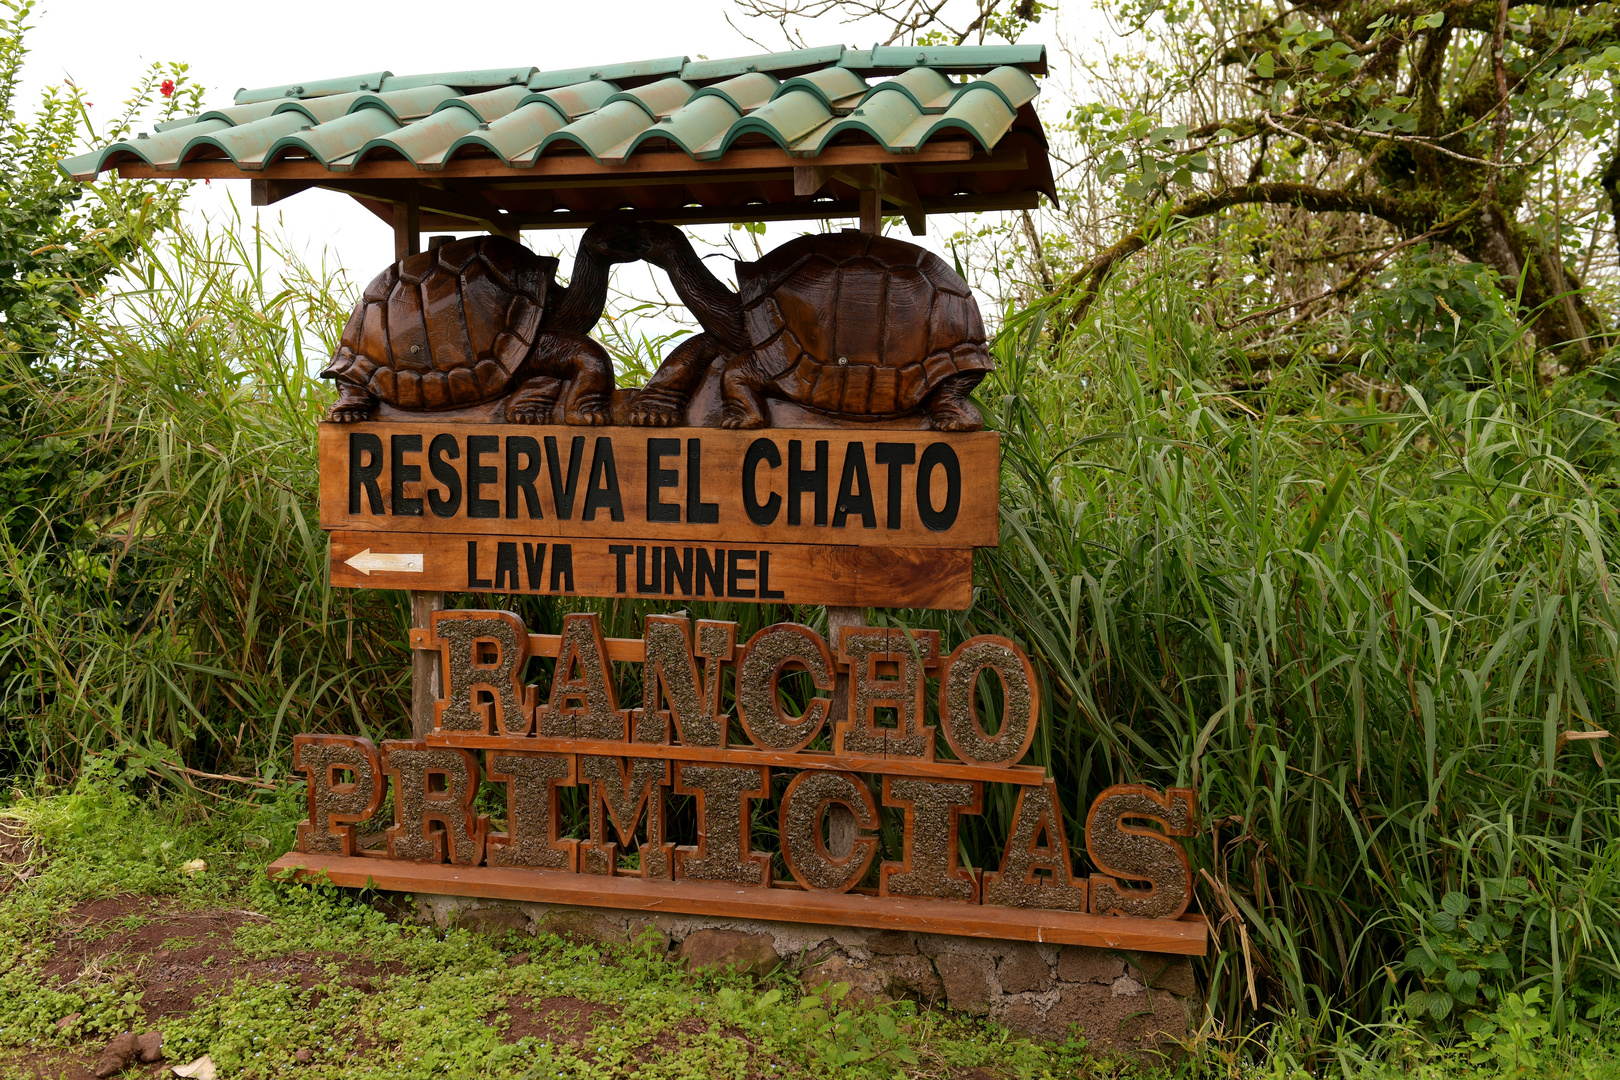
{"x": 863, "y": 518}
{"x": 469, "y": 432}
{"x": 632, "y": 569}
{"x": 874, "y": 488}
{"x": 478, "y": 444}
{"x": 884, "y": 753}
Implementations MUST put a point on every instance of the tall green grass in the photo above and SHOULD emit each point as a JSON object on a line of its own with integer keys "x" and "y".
{"x": 1370, "y": 639}
{"x": 170, "y": 597}
{"x": 1365, "y": 638}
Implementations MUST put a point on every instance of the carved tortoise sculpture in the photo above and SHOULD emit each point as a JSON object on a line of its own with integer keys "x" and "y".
{"x": 477, "y": 319}
{"x": 859, "y": 327}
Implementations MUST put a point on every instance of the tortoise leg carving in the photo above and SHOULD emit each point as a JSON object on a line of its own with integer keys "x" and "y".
{"x": 533, "y": 400}
{"x": 949, "y": 408}
{"x": 662, "y": 402}
{"x": 742, "y": 398}
{"x": 587, "y": 374}
{"x": 352, "y": 406}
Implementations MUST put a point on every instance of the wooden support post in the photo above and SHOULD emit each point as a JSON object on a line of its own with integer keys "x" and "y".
{"x": 425, "y": 675}
{"x": 408, "y": 225}
{"x": 841, "y": 826}
{"x": 426, "y": 678}
{"x": 871, "y": 211}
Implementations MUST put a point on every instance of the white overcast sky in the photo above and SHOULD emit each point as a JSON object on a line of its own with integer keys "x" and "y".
{"x": 104, "y": 45}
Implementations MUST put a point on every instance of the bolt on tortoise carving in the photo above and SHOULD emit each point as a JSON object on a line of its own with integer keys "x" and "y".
{"x": 855, "y": 326}
{"x": 477, "y": 319}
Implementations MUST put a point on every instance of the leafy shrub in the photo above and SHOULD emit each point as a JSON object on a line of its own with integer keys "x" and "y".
{"x": 1436, "y": 323}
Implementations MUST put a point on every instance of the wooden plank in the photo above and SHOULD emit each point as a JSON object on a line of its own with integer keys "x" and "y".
{"x": 1183, "y": 937}
{"x": 1002, "y": 159}
{"x": 770, "y": 486}
{"x": 819, "y": 210}
{"x": 636, "y": 568}
{"x": 426, "y": 672}
{"x": 619, "y": 650}
{"x": 649, "y": 163}
{"x": 939, "y": 769}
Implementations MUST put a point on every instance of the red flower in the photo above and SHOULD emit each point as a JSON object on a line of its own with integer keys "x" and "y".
{"x": 167, "y": 88}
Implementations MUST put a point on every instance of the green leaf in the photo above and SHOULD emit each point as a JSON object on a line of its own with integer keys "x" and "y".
{"x": 1325, "y": 510}
{"x": 1266, "y": 66}
{"x": 1439, "y": 1005}
{"x": 1455, "y": 902}
{"x": 1432, "y": 20}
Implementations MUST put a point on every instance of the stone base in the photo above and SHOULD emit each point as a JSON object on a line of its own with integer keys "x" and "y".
{"x": 1124, "y": 1001}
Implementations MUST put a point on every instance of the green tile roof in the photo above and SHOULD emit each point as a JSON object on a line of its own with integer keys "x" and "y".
{"x": 899, "y": 97}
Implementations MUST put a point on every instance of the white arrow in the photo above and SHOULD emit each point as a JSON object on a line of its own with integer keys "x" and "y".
{"x": 366, "y": 562}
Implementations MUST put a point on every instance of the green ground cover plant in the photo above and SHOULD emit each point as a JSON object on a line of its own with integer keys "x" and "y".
{"x": 369, "y": 993}
{"x": 274, "y": 978}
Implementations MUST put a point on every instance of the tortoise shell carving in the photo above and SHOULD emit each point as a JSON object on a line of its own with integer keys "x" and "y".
{"x": 856, "y": 326}
{"x": 447, "y": 327}
{"x": 478, "y": 319}
{"x": 859, "y": 325}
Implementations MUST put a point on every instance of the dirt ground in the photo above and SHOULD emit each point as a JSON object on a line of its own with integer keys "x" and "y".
{"x": 168, "y": 959}
{"x": 178, "y": 954}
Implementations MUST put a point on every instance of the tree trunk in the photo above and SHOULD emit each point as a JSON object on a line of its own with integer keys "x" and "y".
{"x": 1551, "y": 297}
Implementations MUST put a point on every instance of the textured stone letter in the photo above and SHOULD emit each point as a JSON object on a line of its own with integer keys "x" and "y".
{"x": 1021, "y": 701}
{"x": 483, "y": 652}
{"x": 722, "y": 852}
{"x": 583, "y": 702}
{"x": 930, "y": 869}
{"x": 804, "y": 848}
{"x": 862, "y": 649}
{"x": 694, "y": 702}
{"x": 434, "y": 786}
{"x": 1138, "y": 853}
{"x": 334, "y": 804}
{"x": 624, "y": 787}
{"x": 1036, "y": 848}
{"x": 532, "y": 782}
{"x": 759, "y": 708}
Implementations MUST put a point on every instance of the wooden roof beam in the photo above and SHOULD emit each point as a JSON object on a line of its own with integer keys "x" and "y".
{"x": 442, "y": 201}
{"x": 809, "y": 211}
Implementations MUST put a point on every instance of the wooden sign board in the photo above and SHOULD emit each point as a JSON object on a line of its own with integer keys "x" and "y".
{"x": 874, "y": 517}
{"x": 872, "y": 488}
{"x": 887, "y": 753}
{"x": 635, "y": 569}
